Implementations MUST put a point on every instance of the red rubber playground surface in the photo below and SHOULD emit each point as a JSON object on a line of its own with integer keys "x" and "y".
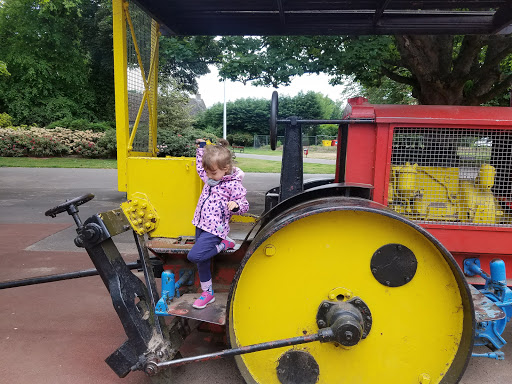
{"x": 61, "y": 332}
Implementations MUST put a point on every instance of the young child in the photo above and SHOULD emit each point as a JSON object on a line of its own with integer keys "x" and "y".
{"x": 222, "y": 195}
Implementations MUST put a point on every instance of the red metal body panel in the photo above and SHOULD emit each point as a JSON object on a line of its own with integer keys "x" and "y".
{"x": 368, "y": 161}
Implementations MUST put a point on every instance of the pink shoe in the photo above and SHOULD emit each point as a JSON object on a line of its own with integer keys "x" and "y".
{"x": 228, "y": 243}
{"x": 205, "y": 299}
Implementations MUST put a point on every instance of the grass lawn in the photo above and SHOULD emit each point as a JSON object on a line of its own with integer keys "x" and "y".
{"x": 270, "y": 166}
{"x": 317, "y": 152}
{"x": 248, "y": 165}
{"x": 57, "y": 162}
{"x": 262, "y": 151}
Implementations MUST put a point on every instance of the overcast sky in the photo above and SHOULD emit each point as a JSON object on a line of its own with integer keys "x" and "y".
{"x": 212, "y": 91}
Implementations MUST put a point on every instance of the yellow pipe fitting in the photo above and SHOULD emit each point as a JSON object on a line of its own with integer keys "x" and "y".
{"x": 406, "y": 185}
{"x": 485, "y": 178}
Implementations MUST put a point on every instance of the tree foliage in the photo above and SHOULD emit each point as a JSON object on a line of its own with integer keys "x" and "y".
{"x": 184, "y": 58}
{"x": 3, "y": 69}
{"x": 41, "y": 45}
{"x": 466, "y": 70}
{"x": 59, "y": 56}
{"x": 173, "y": 109}
{"x": 253, "y": 115}
{"x": 388, "y": 92}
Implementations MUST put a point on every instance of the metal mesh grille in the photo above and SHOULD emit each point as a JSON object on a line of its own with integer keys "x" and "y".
{"x": 452, "y": 176}
{"x": 145, "y": 34}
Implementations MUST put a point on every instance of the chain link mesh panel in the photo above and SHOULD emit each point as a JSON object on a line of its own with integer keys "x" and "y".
{"x": 452, "y": 176}
{"x": 144, "y": 28}
{"x": 262, "y": 140}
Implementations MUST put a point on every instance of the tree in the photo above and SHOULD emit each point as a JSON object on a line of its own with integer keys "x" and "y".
{"x": 465, "y": 70}
{"x": 173, "y": 110}
{"x": 252, "y": 115}
{"x": 40, "y": 42}
{"x": 97, "y": 41}
{"x": 184, "y": 58}
{"x": 468, "y": 70}
{"x": 59, "y": 54}
{"x": 388, "y": 92}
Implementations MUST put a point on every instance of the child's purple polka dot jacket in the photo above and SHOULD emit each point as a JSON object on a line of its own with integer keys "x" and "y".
{"x": 212, "y": 213}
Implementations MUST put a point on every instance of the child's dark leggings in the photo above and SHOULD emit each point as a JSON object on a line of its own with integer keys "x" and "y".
{"x": 202, "y": 252}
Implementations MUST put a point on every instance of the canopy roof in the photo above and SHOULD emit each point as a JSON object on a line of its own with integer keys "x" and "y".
{"x": 330, "y": 17}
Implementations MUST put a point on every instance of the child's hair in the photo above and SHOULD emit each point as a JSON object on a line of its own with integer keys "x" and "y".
{"x": 218, "y": 156}
{"x": 223, "y": 142}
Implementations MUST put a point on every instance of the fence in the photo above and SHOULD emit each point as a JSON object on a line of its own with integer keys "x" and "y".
{"x": 263, "y": 140}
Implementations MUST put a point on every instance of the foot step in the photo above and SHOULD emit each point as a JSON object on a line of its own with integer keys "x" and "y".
{"x": 213, "y": 313}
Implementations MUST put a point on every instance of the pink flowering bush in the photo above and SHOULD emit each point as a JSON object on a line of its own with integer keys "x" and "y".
{"x": 40, "y": 142}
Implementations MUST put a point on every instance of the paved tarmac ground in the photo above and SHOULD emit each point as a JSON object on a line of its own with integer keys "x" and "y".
{"x": 61, "y": 332}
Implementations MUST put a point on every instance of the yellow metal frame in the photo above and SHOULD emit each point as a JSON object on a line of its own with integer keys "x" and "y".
{"x": 121, "y": 18}
{"x": 121, "y": 89}
{"x": 169, "y": 185}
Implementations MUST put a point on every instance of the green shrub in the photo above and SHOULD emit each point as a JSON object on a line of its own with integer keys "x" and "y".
{"x": 5, "y": 120}
{"x": 80, "y": 125}
{"x": 182, "y": 144}
{"x": 38, "y": 142}
{"x": 109, "y": 143}
{"x": 17, "y": 143}
{"x": 171, "y": 144}
{"x": 241, "y": 138}
{"x": 90, "y": 149}
{"x": 10, "y": 146}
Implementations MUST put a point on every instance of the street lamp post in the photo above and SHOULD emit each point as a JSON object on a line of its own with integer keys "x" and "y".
{"x": 225, "y": 120}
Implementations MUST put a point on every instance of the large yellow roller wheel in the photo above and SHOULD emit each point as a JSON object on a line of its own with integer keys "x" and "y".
{"x": 326, "y": 250}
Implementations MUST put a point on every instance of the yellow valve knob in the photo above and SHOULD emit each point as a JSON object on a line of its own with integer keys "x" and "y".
{"x": 424, "y": 378}
{"x": 150, "y": 216}
{"x": 135, "y": 202}
{"x": 144, "y": 205}
{"x": 147, "y": 225}
{"x": 139, "y": 221}
{"x": 141, "y": 213}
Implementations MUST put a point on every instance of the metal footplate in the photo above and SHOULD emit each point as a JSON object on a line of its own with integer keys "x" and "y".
{"x": 178, "y": 246}
{"x": 485, "y": 309}
{"x": 213, "y": 313}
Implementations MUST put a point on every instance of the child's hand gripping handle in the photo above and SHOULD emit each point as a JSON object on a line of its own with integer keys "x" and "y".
{"x": 233, "y": 206}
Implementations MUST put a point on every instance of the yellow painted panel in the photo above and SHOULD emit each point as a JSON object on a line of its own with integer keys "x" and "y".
{"x": 172, "y": 187}
{"x": 416, "y": 328}
{"x": 121, "y": 90}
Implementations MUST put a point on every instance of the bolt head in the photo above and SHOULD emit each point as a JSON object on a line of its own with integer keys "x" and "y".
{"x": 270, "y": 250}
